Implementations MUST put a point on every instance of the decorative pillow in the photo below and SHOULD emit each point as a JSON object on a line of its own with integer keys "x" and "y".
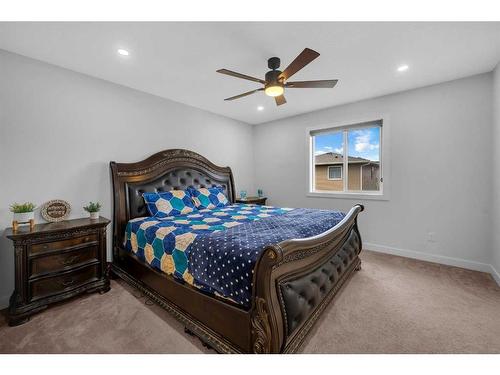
{"x": 169, "y": 203}
{"x": 209, "y": 197}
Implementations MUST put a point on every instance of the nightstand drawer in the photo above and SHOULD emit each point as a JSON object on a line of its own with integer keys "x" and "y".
{"x": 56, "y": 284}
{"x": 48, "y": 247}
{"x": 63, "y": 261}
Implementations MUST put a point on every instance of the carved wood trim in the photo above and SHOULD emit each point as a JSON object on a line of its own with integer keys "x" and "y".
{"x": 304, "y": 253}
{"x": 56, "y": 236}
{"x": 260, "y": 328}
{"x": 166, "y": 157}
{"x": 166, "y": 162}
{"x": 20, "y": 269}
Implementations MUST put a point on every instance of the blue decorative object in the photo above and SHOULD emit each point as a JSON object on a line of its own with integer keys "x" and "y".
{"x": 169, "y": 203}
{"x": 243, "y": 194}
{"x": 260, "y": 193}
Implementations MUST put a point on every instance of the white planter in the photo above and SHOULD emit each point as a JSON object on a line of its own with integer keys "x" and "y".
{"x": 24, "y": 216}
{"x": 94, "y": 215}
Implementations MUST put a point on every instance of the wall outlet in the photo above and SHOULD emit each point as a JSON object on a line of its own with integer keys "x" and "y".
{"x": 431, "y": 237}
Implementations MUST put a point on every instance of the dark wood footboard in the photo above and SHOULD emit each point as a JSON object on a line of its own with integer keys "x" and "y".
{"x": 296, "y": 279}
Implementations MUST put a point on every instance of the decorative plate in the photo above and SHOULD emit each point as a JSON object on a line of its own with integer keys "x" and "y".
{"x": 55, "y": 210}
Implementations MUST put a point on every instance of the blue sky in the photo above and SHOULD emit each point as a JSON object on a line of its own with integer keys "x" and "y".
{"x": 364, "y": 143}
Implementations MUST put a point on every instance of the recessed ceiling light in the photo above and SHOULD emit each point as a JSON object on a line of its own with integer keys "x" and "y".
{"x": 260, "y": 108}
{"x": 123, "y": 52}
{"x": 402, "y": 68}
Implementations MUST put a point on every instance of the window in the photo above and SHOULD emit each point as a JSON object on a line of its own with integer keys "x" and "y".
{"x": 335, "y": 173}
{"x": 347, "y": 159}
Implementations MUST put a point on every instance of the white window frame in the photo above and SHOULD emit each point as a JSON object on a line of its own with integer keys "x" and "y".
{"x": 384, "y": 192}
{"x": 335, "y": 166}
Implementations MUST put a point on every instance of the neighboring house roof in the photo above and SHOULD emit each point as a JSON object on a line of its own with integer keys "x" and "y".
{"x": 335, "y": 158}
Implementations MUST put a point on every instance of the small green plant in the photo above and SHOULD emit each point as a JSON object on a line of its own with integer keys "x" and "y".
{"x": 20, "y": 208}
{"x": 93, "y": 207}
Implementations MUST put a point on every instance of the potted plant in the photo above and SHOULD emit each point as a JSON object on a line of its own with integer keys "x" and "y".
{"x": 93, "y": 209}
{"x": 23, "y": 212}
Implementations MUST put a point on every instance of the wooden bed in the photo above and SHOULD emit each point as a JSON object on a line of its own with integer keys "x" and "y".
{"x": 293, "y": 280}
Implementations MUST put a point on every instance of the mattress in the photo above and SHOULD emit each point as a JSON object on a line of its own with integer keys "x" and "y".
{"x": 216, "y": 250}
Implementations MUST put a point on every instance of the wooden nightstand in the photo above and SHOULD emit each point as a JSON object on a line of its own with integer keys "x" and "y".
{"x": 57, "y": 261}
{"x": 252, "y": 200}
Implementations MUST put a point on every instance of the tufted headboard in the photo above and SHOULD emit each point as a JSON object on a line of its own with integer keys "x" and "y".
{"x": 163, "y": 171}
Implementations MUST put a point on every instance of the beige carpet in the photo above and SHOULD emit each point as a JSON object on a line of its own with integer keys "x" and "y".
{"x": 393, "y": 305}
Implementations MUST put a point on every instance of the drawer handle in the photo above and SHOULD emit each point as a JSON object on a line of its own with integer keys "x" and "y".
{"x": 68, "y": 282}
{"x": 70, "y": 260}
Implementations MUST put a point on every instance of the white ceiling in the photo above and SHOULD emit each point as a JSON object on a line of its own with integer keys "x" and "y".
{"x": 178, "y": 60}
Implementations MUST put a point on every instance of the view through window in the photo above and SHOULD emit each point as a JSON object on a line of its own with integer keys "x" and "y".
{"x": 347, "y": 159}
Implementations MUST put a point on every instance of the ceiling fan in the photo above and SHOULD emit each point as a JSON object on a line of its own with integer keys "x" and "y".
{"x": 276, "y": 80}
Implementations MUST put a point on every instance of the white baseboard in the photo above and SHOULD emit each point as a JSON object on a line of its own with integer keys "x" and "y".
{"x": 495, "y": 274}
{"x": 441, "y": 259}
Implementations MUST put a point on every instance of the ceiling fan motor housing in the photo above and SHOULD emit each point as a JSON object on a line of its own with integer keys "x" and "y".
{"x": 274, "y": 85}
{"x": 272, "y": 78}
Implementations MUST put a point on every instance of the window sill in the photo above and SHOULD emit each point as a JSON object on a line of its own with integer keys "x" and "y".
{"x": 344, "y": 195}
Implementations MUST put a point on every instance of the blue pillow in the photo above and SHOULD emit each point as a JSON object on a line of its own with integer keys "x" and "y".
{"x": 169, "y": 203}
{"x": 210, "y": 198}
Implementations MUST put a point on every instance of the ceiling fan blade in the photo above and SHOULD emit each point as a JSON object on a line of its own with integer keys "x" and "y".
{"x": 239, "y": 75}
{"x": 323, "y": 84}
{"x": 305, "y": 57}
{"x": 244, "y": 94}
{"x": 280, "y": 100}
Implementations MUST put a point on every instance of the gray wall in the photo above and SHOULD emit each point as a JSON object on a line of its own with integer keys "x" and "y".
{"x": 441, "y": 163}
{"x": 496, "y": 174}
{"x": 60, "y": 129}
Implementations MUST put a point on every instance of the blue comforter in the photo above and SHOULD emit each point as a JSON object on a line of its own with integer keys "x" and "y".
{"x": 222, "y": 263}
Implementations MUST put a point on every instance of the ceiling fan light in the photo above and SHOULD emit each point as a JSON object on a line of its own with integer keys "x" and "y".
{"x": 276, "y": 90}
